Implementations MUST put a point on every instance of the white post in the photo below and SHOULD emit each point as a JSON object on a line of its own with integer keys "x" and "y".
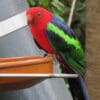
{"x": 71, "y": 12}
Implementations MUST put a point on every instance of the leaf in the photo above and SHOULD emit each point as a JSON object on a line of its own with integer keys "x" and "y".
{"x": 80, "y": 6}
{"x": 45, "y": 2}
{"x": 31, "y": 2}
{"x": 58, "y": 5}
{"x": 56, "y": 13}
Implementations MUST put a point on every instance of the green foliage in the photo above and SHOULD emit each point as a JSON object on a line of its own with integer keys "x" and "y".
{"x": 61, "y": 8}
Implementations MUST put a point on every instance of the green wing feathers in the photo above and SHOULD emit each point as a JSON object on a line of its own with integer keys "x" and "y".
{"x": 69, "y": 47}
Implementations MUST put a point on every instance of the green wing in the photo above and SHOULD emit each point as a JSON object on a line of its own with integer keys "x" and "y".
{"x": 69, "y": 47}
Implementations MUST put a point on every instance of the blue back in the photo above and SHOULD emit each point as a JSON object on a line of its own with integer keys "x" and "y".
{"x": 62, "y": 25}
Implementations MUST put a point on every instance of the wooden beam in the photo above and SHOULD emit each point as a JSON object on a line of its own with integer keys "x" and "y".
{"x": 93, "y": 49}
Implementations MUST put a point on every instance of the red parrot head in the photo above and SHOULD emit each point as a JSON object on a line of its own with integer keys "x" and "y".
{"x": 38, "y": 16}
{"x": 37, "y": 19}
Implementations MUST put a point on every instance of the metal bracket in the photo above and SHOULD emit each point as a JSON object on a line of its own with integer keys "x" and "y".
{"x": 55, "y": 75}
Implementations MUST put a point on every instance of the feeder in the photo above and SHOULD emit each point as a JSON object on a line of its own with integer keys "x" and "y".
{"x": 24, "y": 65}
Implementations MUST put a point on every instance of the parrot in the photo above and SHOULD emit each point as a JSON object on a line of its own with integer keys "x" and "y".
{"x": 55, "y": 37}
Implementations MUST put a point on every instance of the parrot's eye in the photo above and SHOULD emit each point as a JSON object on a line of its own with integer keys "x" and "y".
{"x": 38, "y": 14}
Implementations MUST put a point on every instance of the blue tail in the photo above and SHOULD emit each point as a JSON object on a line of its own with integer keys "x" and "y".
{"x": 77, "y": 86}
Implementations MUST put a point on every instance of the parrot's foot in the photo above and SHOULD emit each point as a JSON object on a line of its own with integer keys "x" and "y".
{"x": 45, "y": 55}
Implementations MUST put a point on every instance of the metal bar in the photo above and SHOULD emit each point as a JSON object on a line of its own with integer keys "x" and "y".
{"x": 5, "y": 75}
{"x": 71, "y": 12}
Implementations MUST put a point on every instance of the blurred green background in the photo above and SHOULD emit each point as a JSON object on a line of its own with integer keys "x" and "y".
{"x": 61, "y": 8}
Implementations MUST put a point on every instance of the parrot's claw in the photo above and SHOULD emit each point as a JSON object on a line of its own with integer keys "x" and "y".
{"x": 45, "y": 55}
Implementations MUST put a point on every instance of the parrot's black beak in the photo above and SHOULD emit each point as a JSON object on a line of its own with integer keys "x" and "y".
{"x": 30, "y": 19}
{"x": 30, "y": 22}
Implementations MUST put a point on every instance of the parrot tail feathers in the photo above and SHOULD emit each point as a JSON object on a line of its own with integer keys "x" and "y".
{"x": 75, "y": 65}
{"x": 77, "y": 86}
